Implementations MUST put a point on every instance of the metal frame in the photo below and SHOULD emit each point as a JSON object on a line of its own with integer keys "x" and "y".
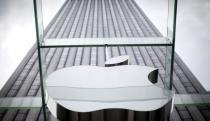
{"x": 40, "y": 61}
{"x": 40, "y": 45}
{"x": 173, "y": 43}
{"x": 36, "y": 103}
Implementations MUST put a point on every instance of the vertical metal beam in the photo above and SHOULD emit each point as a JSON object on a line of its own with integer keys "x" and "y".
{"x": 106, "y": 52}
{"x": 39, "y": 59}
{"x": 173, "y": 43}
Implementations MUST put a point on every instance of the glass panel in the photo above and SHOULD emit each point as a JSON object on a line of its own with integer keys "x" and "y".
{"x": 110, "y": 94}
{"x": 167, "y": 80}
{"x": 171, "y": 18}
{"x": 21, "y": 102}
{"x": 39, "y": 19}
{"x": 155, "y": 11}
{"x": 36, "y": 103}
{"x": 150, "y": 41}
{"x": 43, "y": 62}
{"x": 192, "y": 99}
{"x": 50, "y": 8}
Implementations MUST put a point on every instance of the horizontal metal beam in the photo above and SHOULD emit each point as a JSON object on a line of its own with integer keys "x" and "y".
{"x": 97, "y": 42}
